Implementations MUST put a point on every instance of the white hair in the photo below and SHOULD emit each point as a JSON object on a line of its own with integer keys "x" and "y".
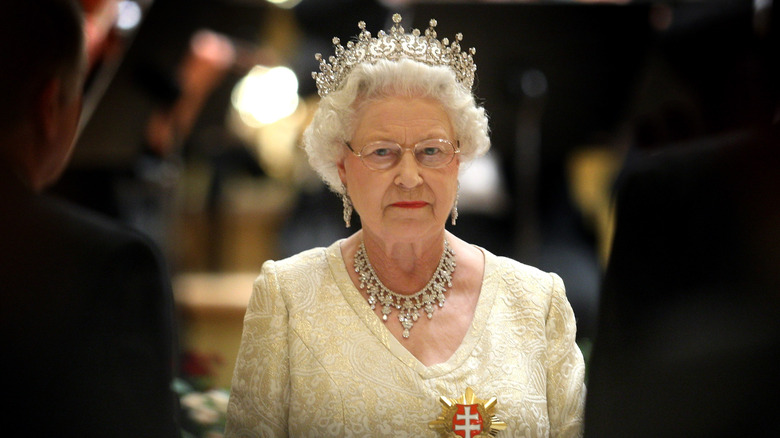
{"x": 333, "y": 122}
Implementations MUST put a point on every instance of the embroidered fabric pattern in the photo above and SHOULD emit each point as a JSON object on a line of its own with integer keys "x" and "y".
{"x": 316, "y": 361}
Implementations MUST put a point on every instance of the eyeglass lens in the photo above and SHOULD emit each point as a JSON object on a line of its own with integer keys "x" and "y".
{"x": 429, "y": 153}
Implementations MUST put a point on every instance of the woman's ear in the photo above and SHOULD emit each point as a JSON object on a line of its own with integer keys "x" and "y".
{"x": 342, "y": 171}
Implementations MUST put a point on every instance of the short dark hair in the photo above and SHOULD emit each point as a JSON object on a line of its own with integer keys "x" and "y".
{"x": 39, "y": 40}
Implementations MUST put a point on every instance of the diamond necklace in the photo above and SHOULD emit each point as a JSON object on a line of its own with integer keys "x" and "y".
{"x": 408, "y": 306}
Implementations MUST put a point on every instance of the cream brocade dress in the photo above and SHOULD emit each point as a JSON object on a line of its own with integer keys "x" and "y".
{"x": 316, "y": 361}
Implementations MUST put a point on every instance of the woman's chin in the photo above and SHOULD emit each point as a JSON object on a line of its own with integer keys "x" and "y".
{"x": 411, "y": 229}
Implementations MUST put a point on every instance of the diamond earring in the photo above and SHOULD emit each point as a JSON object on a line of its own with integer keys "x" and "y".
{"x": 454, "y": 213}
{"x": 347, "y": 208}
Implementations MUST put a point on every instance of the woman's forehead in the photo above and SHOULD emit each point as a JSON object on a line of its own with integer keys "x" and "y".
{"x": 394, "y": 113}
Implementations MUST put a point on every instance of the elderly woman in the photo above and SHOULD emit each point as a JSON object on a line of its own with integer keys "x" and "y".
{"x": 402, "y": 329}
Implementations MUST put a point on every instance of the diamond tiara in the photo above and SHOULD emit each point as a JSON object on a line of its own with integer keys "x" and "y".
{"x": 394, "y": 46}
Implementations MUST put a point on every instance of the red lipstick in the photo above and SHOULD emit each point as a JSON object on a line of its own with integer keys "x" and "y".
{"x": 410, "y": 204}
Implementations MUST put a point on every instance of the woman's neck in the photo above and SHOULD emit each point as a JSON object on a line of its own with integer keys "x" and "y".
{"x": 404, "y": 267}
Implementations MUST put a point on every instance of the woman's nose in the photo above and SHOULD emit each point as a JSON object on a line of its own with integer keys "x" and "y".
{"x": 408, "y": 170}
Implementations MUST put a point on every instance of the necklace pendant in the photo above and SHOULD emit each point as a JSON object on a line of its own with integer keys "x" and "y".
{"x": 406, "y": 323}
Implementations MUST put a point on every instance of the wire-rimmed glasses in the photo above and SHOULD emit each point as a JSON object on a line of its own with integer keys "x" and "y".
{"x": 382, "y": 155}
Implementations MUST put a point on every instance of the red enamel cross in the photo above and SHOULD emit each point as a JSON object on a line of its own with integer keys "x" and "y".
{"x": 467, "y": 422}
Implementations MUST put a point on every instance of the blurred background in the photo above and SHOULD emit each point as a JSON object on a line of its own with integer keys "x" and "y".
{"x": 194, "y": 109}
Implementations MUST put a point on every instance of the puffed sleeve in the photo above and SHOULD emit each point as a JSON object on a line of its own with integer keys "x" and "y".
{"x": 565, "y": 367}
{"x": 261, "y": 381}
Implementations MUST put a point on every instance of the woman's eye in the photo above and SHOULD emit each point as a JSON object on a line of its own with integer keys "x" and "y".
{"x": 431, "y": 151}
{"x": 382, "y": 152}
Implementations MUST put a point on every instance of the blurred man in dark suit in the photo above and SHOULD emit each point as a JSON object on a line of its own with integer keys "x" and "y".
{"x": 688, "y": 341}
{"x": 86, "y": 311}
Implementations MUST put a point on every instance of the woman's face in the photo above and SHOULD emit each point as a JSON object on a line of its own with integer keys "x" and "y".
{"x": 407, "y": 201}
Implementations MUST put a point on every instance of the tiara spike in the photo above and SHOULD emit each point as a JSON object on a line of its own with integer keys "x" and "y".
{"x": 394, "y": 46}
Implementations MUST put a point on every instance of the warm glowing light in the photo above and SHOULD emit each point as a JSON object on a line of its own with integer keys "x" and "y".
{"x": 129, "y": 15}
{"x": 266, "y": 95}
{"x": 286, "y": 4}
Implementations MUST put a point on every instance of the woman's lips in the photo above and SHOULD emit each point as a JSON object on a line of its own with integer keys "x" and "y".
{"x": 410, "y": 204}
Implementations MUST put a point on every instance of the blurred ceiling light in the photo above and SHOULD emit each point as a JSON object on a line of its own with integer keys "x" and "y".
{"x": 266, "y": 95}
{"x": 482, "y": 187}
{"x": 286, "y": 4}
{"x": 129, "y": 15}
{"x": 762, "y": 4}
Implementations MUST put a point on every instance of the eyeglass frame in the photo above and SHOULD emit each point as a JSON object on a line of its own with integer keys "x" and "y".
{"x": 455, "y": 147}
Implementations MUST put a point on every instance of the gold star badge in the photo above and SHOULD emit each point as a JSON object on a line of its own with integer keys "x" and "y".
{"x": 467, "y": 417}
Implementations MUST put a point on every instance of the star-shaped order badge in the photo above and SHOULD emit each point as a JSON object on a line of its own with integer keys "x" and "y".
{"x": 468, "y": 417}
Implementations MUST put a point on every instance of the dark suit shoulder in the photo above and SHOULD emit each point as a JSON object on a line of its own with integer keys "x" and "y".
{"x": 86, "y": 315}
{"x": 78, "y": 223}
